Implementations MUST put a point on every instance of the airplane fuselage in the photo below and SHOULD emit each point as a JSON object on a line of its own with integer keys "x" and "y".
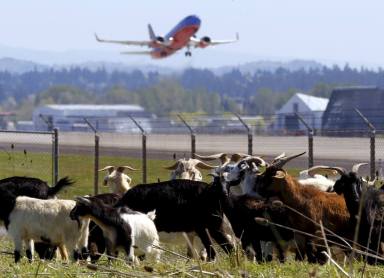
{"x": 179, "y": 37}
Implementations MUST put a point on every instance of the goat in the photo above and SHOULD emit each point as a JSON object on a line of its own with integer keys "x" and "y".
{"x": 329, "y": 208}
{"x": 36, "y": 188}
{"x": 96, "y": 239}
{"x": 123, "y": 228}
{"x": 319, "y": 177}
{"x": 187, "y": 169}
{"x": 242, "y": 210}
{"x": 356, "y": 190}
{"x": 226, "y": 164}
{"x": 117, "y": 181}
{"x": 44, "y": 220}
{"x": 182, "y": 206}
{"x": 32, "y": 187}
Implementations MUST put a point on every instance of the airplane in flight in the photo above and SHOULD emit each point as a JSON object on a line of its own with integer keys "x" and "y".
{"x": 182, "y": 35}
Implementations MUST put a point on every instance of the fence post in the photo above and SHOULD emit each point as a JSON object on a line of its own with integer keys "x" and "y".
{"x": 47, "y": 122}
{"x": 249, "y": 132}
{"x": 96, "y": 158}
{"x": 372, "y": 142}
{"x": 143, "y": 148}
{"x": 310, "y": 139}
{"x": 55, "y": 154}
{"x": 193, "y": 136}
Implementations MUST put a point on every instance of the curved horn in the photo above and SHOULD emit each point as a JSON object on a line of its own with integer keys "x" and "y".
{"x": 122, "y": 168}
{"x": 173, "y": 166}
{"x": 257, "y": 160}
{"x": 280, "y": 156}
{"x": 322, "y": 170}
{"x": 82, "y": 200}
{"x": 282, "y": 161}
{"x": 339, "y": 170}
{"x": 205, "y": 166}
{"x": 223, "y": 157}
{"x": 355, "y": 167}
{"x": 109, "y": 168}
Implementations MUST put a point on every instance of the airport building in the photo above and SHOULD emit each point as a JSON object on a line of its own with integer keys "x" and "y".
{"x": 309, "y": 107}
{"x": 103, "y": 117}
{"x": 341, "y": 116}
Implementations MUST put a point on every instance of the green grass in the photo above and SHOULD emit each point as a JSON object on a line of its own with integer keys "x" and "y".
{"x": 80, "y": 168}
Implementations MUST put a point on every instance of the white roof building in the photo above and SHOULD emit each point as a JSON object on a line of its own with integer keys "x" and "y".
{"x": 309, "y": 107}
{"x": 104, "y": 117}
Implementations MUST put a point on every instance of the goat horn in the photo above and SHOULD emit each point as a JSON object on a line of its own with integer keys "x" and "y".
{"x": 109, "y": 168}
{"x": 204, "y": 166}
{"x": 223, "y": 157}
{"x": 122, "y": 168}
{"x": 82, "y": 200}
{"x": 173, "y": 166}
{"x": 320, "y": 169}
{"x": 282, "y": 161}
{"x": 257, "y": 160}
{"x": 339, "y": 170}
{"x": 280, "y": 156}
{"x": 355, "y": 167}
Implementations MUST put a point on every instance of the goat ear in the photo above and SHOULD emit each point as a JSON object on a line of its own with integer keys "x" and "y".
{"x": 172, "y": 167}
{"x": 109, "y": 168}
{"x": 280, "y": 174}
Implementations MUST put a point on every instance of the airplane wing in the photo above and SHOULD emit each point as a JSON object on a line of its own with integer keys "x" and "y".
{"x": 206, "y": 41}
{"x": 136, "y": 52}
{"x": 139, "y": 43}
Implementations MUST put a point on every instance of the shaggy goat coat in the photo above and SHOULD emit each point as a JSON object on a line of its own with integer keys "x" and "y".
{"x": 46, "y": 221}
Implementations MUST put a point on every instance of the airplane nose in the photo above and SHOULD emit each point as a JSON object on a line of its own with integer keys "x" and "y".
{"x": 193, "y": 20}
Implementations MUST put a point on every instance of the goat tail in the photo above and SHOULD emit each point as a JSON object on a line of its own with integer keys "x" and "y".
{"x": 64, "y": 182}
{"x": 152, "y": 214}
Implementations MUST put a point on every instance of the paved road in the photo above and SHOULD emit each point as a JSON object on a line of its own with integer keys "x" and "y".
{"x": 327, "y": 150}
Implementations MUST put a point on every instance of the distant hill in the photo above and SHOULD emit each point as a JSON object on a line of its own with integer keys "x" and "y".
{"x": 19, "y": 66}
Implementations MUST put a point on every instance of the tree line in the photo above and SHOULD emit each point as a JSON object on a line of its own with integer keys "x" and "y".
{"x": 193, "y": 90}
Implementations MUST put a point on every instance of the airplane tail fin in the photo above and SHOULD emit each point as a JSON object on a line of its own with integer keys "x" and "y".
{"x": 152, "y": 35}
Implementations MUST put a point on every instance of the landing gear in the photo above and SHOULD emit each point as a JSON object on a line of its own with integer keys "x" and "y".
{"x": 188, "y": 53}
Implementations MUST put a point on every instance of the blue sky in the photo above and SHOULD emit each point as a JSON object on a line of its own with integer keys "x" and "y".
{"x": 336, "y": 31}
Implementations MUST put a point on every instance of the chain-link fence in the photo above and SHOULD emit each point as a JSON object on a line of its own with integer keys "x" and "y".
{"x": 29, "y": 154}
{"x": 149, "y": 145}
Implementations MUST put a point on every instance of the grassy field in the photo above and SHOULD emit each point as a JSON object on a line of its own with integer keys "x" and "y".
{"x": 80, "y": 169}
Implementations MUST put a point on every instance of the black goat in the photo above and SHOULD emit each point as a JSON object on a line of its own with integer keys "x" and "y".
{"x": 96, "y": 239}
{"x": 12, "y": 187}
{"x": 242, "y": 211}
{"x": 183, "y": 206}
{"x": 355, "y": 191}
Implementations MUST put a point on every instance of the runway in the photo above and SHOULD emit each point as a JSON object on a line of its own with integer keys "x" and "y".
{"x": 327, "y": 150}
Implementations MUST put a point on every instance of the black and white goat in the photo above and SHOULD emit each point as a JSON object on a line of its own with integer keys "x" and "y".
{"x": 122, "y": 227}
{"x": 43, "y": 221}
{"x": 183, "y": 206}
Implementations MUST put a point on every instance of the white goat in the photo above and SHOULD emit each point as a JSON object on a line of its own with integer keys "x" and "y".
{"x": 118, "y": 182}
{"x": 186, "y": 169}
{"x": 46, "y": 221}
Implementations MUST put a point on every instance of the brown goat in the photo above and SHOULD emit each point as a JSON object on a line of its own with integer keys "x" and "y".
{"x": 329, "y": 208}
